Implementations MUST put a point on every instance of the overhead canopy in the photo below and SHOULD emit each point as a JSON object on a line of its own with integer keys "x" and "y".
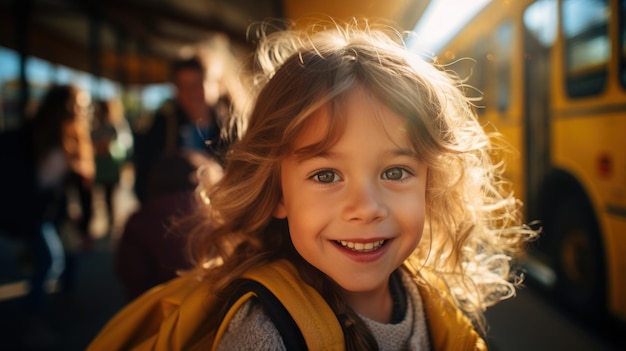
{"x": 132, "y": 41}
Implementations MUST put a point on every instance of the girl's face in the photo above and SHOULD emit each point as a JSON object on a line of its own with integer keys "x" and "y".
{"x": 355, "y": 211}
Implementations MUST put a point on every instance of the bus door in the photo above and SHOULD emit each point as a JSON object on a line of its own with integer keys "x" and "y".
{"x": 539, "y": 30}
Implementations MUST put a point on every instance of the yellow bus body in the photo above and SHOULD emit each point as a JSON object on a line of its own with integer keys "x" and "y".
{"x": 585, "y": 136}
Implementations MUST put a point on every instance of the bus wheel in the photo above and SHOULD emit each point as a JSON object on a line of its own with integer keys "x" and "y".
{"x": 579, "y": 259}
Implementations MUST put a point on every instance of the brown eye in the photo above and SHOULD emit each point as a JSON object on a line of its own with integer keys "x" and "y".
{"x": 395, "y": 173}
{"x": 325, "y": 176}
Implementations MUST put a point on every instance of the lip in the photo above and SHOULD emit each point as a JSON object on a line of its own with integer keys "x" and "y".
{"x": 364, "y": 257}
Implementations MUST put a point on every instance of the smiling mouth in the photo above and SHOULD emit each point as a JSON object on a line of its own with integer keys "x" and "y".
{"x": 362, "y": 247}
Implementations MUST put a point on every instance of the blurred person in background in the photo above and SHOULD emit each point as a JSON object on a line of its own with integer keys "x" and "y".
{"x": 52, "y": 151}
{"x": 153, "y": 245}
{"x": 113, "y": 142}
{"x": 203, "y": 116}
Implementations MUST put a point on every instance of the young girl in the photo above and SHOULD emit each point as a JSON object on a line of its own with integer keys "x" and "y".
{"x": 365, "y": 171}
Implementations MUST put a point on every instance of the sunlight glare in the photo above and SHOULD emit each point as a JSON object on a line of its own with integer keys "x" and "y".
{"x": 441, "y": 20}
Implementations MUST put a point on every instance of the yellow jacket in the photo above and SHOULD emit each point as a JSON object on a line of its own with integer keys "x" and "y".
{"x": 173, "y": 316}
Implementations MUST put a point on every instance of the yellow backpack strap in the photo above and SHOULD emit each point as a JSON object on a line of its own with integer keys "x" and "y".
{"x": 288, "y": 329}
{"x": 449, "y": 328}
{"x": 313, "y": 317}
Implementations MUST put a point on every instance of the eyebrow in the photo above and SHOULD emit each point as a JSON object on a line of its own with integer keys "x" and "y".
{"x": 403, "y": 152}
{"x": 301, "y": 155}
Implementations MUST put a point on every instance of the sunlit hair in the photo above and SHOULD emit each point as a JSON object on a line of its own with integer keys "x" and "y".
{"x": 473, "y": 227}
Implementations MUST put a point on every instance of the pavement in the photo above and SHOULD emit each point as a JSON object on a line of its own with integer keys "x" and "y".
{"x": 72, "y": 318}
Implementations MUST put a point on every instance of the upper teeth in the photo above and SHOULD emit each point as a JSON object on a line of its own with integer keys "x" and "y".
{"x": 362, "y": 247}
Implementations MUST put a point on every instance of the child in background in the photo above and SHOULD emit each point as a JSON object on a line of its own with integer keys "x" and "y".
{"x": 365, "y": 174}
{"x": 113, "y": 142}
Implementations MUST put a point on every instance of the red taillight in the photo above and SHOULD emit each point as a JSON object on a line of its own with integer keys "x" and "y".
{"x": 605, "y": 165}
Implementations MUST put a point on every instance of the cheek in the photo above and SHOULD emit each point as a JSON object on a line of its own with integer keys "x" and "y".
{"x": 304, "y": 224}
{"x": 412, "y": 213}
{"x": 301, "y": 237}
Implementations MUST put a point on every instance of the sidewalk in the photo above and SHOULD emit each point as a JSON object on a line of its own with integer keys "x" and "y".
{"x": 74, "y": 318}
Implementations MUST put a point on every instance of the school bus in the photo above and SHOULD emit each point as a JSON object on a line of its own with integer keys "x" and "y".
{"x": 552, "y": 76}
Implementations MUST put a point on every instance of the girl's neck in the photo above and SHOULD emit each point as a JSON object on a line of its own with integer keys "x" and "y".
{"x": 376, "y": 305}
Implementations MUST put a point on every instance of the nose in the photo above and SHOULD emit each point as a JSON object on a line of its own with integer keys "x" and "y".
{"x": 365, "y": 203}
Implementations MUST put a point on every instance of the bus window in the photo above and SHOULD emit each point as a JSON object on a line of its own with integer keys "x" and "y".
{"x": 504, "y": 38}
{"x": 587, "y": 46}
{"x": 540, "y": 21}
{"x": 470, "y": 67}
{"x": 622, "y": 26}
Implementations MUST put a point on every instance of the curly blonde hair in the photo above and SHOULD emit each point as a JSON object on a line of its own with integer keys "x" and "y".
{"x": 473, "y": 228}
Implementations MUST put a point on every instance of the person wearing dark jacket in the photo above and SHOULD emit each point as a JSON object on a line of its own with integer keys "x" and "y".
{"x": 198, "y": 118}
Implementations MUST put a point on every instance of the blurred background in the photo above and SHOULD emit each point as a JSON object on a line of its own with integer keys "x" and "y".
{"x": 549, "y": 75}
